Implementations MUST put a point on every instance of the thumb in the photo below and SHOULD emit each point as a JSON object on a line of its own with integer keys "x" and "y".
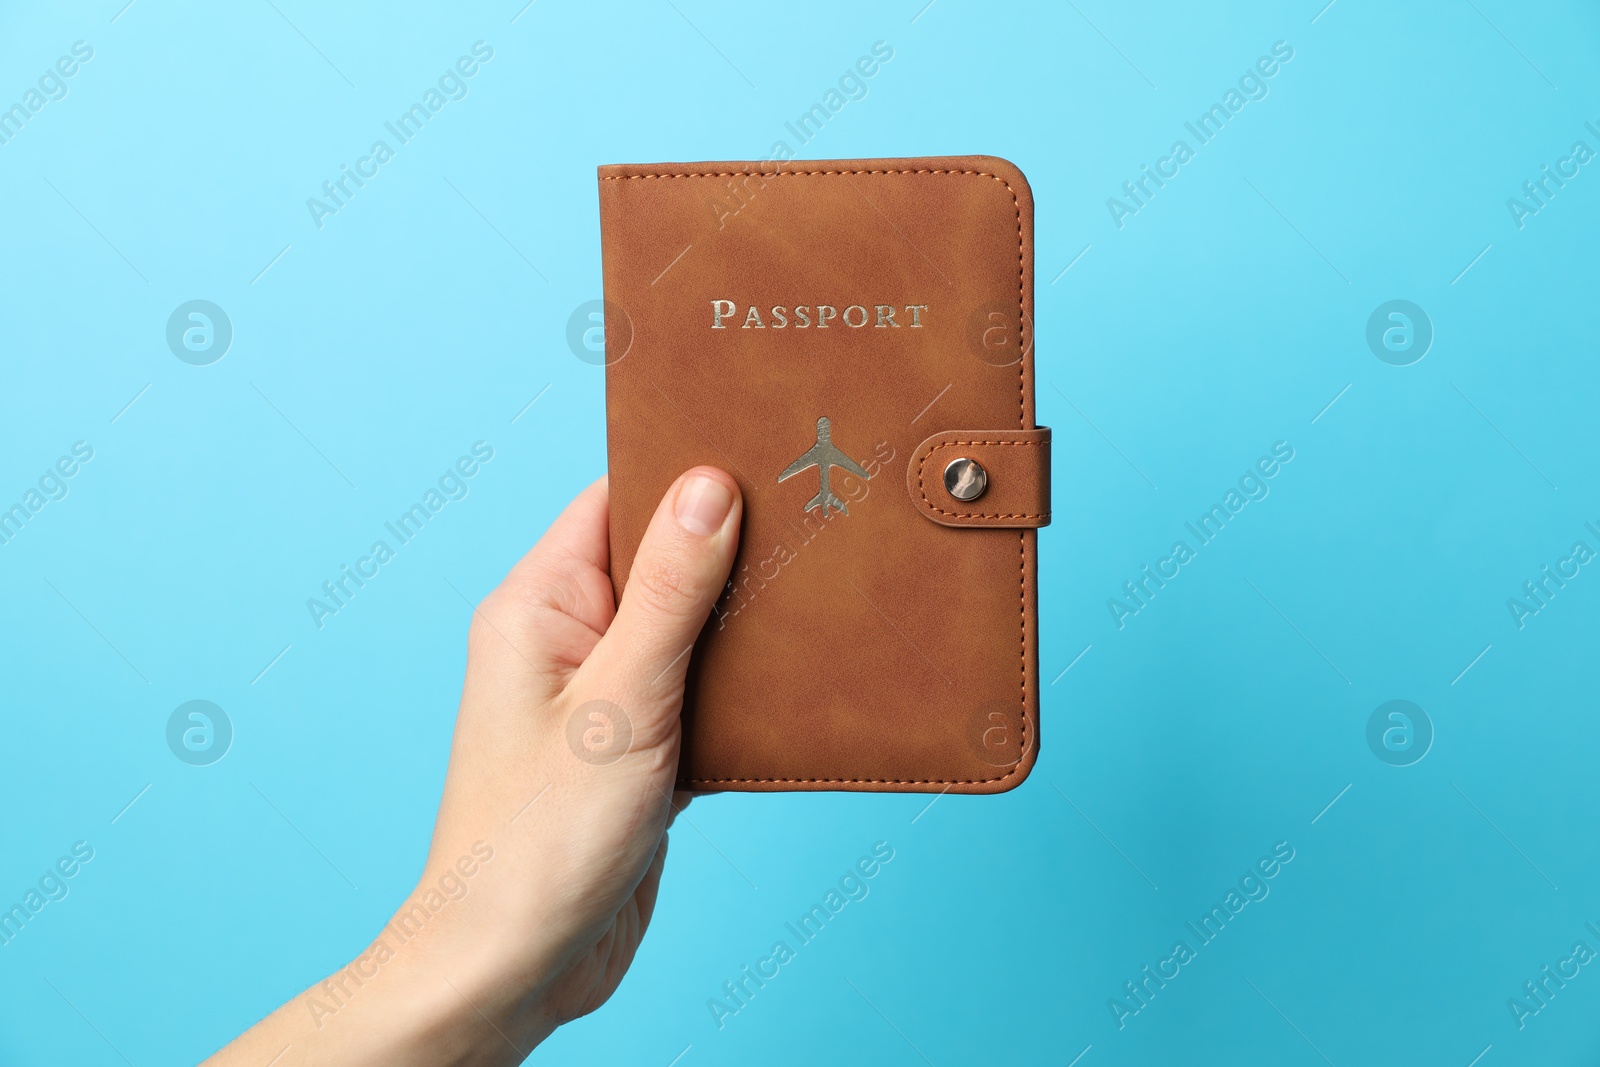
{"x": 677, "y": 574}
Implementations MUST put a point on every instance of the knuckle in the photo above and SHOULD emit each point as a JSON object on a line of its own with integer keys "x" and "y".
{"x": 666, "y": 586}
{"x": 520, "y": 597}
{"x": 489, "y": 620}
{"x": 505, "y": 615}
{"x": 528, "y": 594}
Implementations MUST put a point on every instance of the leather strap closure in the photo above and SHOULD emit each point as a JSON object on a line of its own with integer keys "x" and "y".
{"x": 1016, "y": 464}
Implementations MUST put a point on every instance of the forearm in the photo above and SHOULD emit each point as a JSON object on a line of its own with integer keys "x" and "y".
{"x": 410, "y": 998}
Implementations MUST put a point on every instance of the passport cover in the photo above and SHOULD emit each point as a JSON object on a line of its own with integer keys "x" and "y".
{"x": 834, "y": 335}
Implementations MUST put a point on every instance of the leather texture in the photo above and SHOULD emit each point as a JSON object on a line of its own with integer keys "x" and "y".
{"x": 870, "y": 649}
{"x": 1016, "y": 464}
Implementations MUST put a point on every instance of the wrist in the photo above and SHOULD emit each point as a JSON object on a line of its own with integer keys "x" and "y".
{"x": 420, "y": 1006}
{"x": 466, "y": 971}
{"x": 430, "y": 989}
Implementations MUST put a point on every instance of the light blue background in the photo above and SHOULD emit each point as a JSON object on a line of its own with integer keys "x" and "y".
{"x": 1223, "y": 718}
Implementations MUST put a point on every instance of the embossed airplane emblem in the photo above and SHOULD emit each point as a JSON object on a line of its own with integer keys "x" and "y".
{"x": 824, "y": 455}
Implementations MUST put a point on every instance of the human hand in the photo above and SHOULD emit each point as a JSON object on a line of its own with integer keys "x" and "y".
{"x": 551, "y": 835}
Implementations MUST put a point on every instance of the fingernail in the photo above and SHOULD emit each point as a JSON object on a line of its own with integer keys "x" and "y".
{"x": 703, "y": 503}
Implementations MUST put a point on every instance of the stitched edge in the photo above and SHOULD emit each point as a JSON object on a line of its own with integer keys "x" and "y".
{"x": 922, "y": 465}
{"x": 1022, "y": 597}
{"x": 854, "y": 781}
{"x": 806, "y": 173}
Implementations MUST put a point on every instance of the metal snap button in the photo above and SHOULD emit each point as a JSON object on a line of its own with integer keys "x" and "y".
{"x": 965, "y": 479}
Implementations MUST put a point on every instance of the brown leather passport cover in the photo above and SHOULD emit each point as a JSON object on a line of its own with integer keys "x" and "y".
{"x": 834, "y": 335}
